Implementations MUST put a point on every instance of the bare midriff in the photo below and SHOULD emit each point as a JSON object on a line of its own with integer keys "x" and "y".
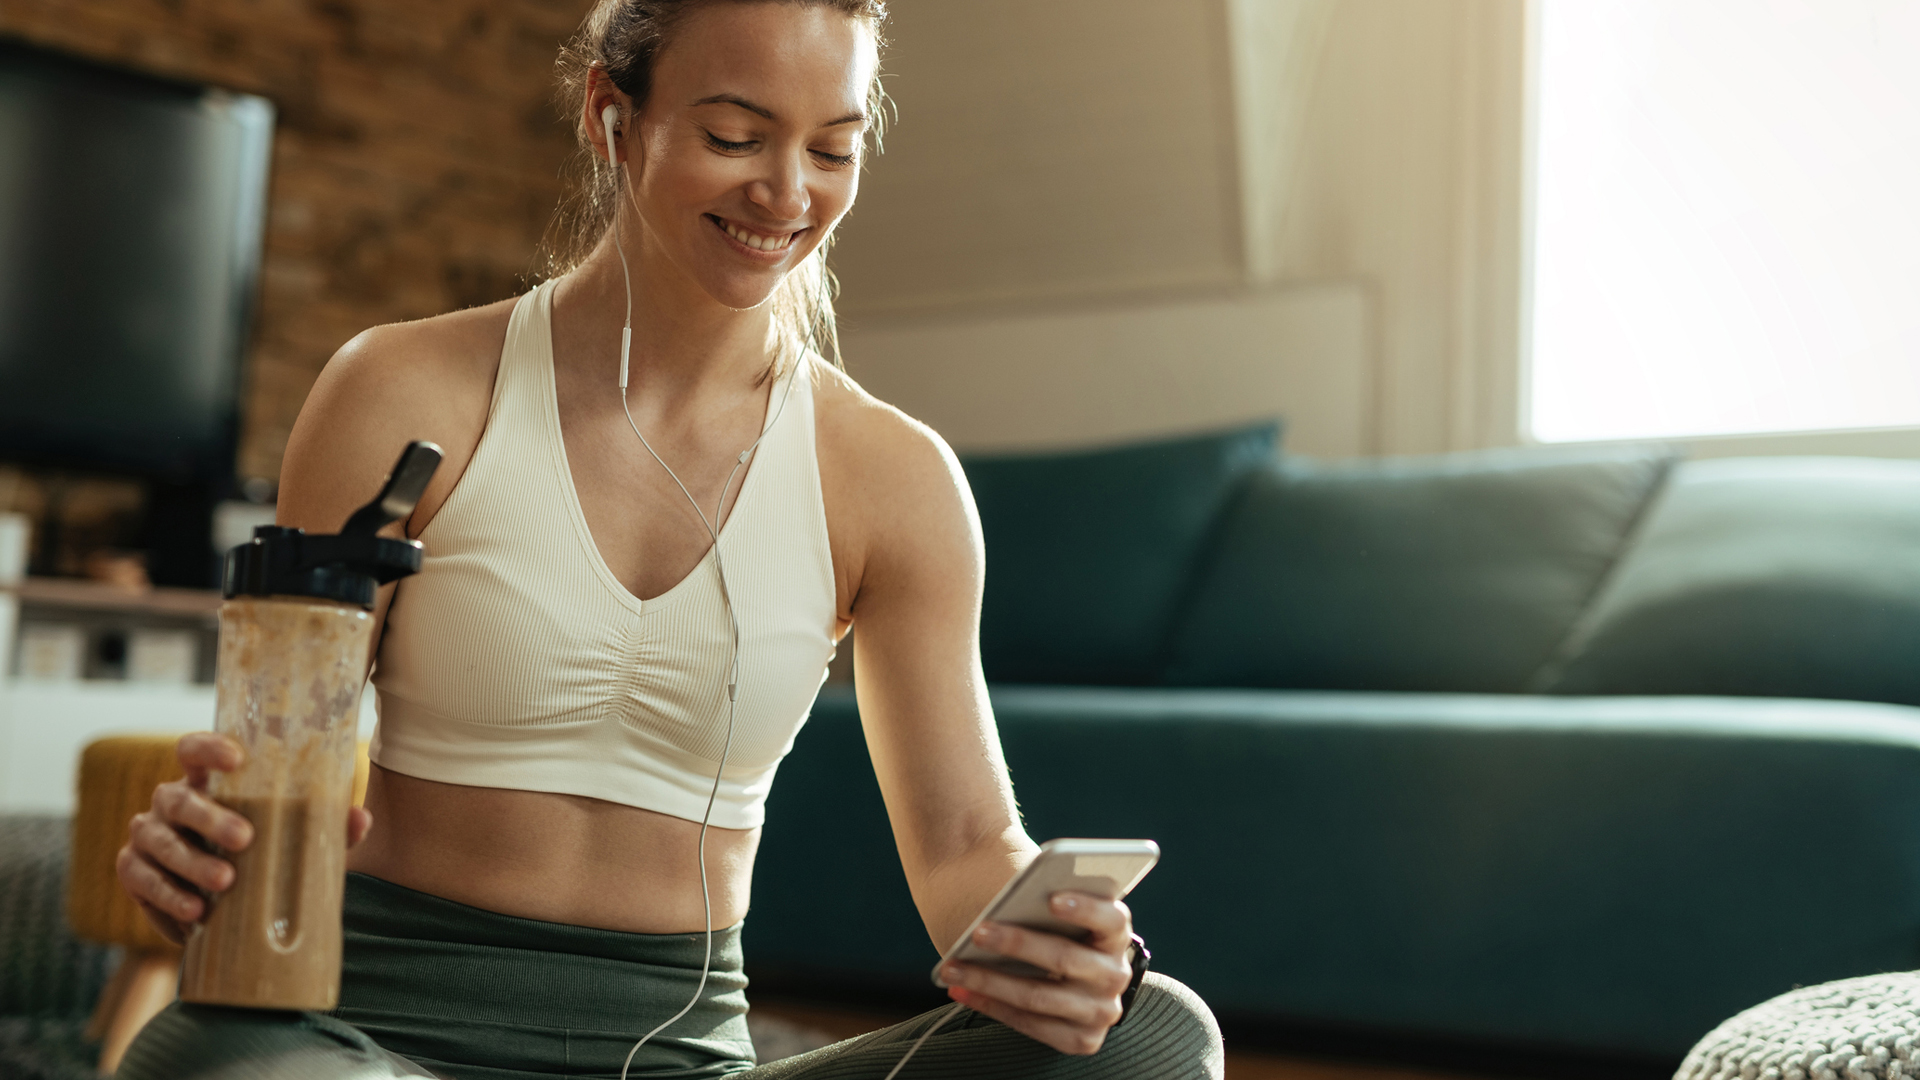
{"x": 557, "y": 858}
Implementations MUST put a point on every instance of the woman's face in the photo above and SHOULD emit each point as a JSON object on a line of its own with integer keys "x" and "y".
{"x": 747, "y": 150}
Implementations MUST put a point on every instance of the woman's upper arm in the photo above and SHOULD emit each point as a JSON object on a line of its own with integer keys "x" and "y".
{"x": 387, "y": 387}
{"x": 375, "y": 396}
{"x": 916, "y": 612}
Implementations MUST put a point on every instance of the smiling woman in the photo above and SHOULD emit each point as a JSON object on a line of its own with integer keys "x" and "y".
{"x": 660, "y": 508}
{"x": 618, "y": 44}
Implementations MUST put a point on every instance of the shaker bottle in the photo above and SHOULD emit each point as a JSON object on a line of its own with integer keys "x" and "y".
{"x": 296, "y": 631}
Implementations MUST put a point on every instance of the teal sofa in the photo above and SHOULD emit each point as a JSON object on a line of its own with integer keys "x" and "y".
{"x": 1573, "y": 752}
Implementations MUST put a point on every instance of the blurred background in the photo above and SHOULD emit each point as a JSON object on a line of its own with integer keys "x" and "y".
{"x": 1405, "y": 225}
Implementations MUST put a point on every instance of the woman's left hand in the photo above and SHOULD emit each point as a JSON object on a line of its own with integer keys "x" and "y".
{"x": 1071, "y": 1011}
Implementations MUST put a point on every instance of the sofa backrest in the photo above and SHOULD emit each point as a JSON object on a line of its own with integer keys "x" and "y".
{"x": 1459, "y": 572}
{"x": 1089, "y": 553}
{"x": 1778, "y": 577}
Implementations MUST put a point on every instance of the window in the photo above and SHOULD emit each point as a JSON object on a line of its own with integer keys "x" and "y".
{"x": 1727, "y": 217}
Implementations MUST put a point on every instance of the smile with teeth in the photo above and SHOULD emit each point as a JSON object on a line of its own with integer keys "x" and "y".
{"x": 754, "y": 240}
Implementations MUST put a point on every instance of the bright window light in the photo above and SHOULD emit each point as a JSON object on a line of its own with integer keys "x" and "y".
{"x": 1727, "y": 229}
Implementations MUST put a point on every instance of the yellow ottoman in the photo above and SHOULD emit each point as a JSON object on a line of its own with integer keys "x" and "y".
{"x": 117, "y": 778}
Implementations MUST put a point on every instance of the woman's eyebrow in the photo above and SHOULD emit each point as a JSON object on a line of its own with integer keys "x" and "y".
{"x": 763, "y": 111}
{"x": 736, "y": 99}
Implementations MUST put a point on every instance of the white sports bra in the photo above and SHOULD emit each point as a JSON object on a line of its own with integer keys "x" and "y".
{"x": 515, "y": 658}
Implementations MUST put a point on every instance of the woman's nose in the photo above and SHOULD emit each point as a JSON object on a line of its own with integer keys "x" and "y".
{"x": 783, "y": 192}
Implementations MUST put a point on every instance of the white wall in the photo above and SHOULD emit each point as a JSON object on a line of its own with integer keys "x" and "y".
{"x": 1063, "y": 158}
{"x": 1060, "y": 165}
{"x": 1104, "y": 373}
{"x": 1407, "y": 176}
{"x": 1047, "y": 150}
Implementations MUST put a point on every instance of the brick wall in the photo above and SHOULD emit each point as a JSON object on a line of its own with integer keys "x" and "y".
{"x": 414, "y": 165}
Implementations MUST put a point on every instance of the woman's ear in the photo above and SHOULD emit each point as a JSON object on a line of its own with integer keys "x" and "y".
{"x": 603, "y": 109}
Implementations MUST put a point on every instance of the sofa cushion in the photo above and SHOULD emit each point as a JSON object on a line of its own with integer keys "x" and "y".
{"x": 1779, "y": 577}
{"x": 1088, "y": 553}
{"x": 1611, "y": 875}
{"x": 1458, "y": 572}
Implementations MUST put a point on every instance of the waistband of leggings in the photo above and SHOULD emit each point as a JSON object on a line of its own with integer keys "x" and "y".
{"x": 379, "y": 908}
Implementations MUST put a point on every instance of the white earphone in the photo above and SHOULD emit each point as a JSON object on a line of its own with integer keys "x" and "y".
{"x": 608, "y": 117}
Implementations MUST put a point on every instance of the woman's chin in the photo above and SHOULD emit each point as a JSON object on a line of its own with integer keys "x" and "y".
{"x": 743, "y": 292}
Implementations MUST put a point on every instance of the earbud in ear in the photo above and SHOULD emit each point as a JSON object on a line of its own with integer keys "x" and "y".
{"x": 608, "y": 117}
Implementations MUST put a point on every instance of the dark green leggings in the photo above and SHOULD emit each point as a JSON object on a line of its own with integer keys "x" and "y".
{"x": 432, "y": 987}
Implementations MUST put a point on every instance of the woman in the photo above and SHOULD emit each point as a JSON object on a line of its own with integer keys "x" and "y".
{"x": 559, "y": 736}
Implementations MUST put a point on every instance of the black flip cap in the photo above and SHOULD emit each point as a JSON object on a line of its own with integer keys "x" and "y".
{"x": 349, "y": 567}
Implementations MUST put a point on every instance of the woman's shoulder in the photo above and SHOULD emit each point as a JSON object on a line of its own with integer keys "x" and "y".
{"x": 450, "y": 350}
{"x": 861, "y": 433}
{"x": 892, "y": 485}
{"x": 429, "y": 379}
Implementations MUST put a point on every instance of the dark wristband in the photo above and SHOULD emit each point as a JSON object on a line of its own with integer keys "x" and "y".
{"x": 1139, "y": 959}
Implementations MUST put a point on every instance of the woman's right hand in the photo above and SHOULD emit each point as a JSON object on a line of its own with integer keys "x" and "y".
{"x": 165, "y": 866}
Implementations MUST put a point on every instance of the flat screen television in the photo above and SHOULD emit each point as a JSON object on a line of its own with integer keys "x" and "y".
{"x": 131, "y": 216}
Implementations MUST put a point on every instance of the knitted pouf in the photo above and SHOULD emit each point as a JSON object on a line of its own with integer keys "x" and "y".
{"x": 1855, "y": 1029}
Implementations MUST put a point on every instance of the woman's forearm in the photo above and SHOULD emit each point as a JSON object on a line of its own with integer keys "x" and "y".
{"x": 951, "y": 893}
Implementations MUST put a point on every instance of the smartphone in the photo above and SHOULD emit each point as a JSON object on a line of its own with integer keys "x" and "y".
{"x": 1108, "y": 869}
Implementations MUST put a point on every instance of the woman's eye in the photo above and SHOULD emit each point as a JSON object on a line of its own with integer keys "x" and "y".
{"x": 834, "y": 159}
{"x": 719, "y": 143}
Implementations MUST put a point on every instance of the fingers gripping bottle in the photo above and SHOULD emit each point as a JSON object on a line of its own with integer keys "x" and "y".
{"x": 295, "y": 635}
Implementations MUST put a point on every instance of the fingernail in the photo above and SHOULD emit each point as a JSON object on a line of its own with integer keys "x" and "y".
{"x": 1067, "y": 903}
{"x": 962, "y": 996}
{"x": 952, "y": 973}
{"x": 986, "y": 934}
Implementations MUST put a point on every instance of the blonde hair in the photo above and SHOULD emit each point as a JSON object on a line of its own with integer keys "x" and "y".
{"x": 624, "y": 38}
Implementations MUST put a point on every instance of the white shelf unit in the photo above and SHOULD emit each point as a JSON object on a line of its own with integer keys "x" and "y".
{"x": 45, "y": 725}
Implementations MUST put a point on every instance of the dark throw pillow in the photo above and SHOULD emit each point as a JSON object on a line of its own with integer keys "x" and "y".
{"x": 1777, "y": 577}
{"x": 1089, "y": 553}
{"x": 1459, "y": 572}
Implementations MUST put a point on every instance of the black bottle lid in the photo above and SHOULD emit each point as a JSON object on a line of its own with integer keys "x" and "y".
{"x": 348, "y": 567}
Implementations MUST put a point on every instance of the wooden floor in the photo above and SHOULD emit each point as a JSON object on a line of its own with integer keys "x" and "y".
{"x": 845, "y": 1024}
{"x": 1243, "y": 1066}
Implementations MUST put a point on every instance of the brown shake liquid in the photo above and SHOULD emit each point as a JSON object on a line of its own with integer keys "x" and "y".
{"x": 267, "y": 944}
{"x": 290, "y": 673}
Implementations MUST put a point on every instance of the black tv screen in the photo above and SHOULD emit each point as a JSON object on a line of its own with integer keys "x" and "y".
{"x": 131, "y": 213}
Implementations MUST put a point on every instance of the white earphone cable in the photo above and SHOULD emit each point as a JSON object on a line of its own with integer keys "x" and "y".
{"x": 726, "y": 596}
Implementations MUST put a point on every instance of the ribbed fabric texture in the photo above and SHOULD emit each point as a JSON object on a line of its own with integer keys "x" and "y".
{"x": 1169, "y": 1035}
{"x": 516, "y": 659}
